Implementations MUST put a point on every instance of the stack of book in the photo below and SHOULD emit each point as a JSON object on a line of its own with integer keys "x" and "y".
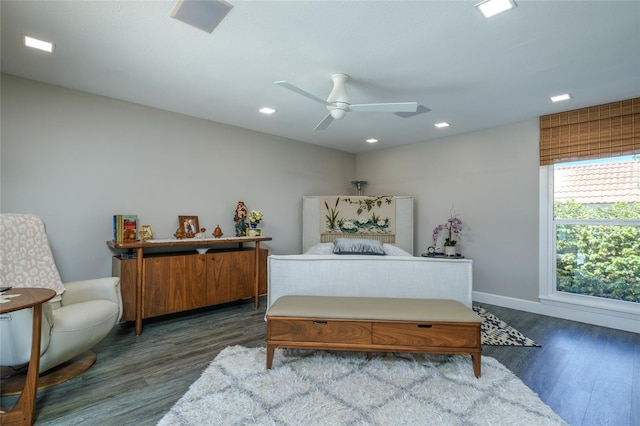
{"x": 125, "y": 228}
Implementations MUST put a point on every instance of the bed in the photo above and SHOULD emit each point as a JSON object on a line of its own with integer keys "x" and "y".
{"x": 384, "y": 222}
{"x": 395, "y": 273}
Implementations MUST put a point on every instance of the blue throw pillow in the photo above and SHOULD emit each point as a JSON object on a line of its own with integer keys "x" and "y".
{"x": 357, "y": 246}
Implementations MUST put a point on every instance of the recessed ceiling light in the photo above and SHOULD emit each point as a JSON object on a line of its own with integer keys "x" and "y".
{"x": 38, "y": 44}
{"x": 372, "y": 140}
{"x": 267, "y": 110}
{"x": 491, "y": 8}
{"x": 563, "y": 97}
{"x": 441, "y": 125}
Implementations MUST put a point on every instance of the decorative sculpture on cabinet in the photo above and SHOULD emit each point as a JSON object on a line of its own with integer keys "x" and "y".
{"x": 240, "y": 217}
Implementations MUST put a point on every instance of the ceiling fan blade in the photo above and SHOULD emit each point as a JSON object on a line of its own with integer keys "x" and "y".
{"x": 386, "y": 107}
{"x": 324, "y": 123}
{"x": 299, "y": 91}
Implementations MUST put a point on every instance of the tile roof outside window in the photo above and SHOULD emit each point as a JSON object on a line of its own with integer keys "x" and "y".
{"x": 598, "y": 183}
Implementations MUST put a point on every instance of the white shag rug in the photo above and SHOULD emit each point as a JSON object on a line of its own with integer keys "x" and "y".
{"x": 343, "y": 388}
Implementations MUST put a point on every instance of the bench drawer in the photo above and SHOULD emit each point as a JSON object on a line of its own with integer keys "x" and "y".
{"x": 325, "y": 331}
{"x": 459, "y": 335}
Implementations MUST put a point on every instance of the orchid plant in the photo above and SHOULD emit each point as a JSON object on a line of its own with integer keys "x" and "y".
{"x": 453, "y": 227}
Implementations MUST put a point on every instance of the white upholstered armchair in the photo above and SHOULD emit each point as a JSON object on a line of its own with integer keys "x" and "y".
{"x": 80, "y": 315}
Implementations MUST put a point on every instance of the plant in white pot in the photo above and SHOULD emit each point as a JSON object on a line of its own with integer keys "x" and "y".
{"x": 453, "y": 229}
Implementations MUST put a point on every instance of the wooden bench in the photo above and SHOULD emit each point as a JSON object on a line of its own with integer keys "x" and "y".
{"x": 373, "y": 324}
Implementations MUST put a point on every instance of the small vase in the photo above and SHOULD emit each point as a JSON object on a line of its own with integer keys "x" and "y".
{"x": 450, "y": 250}
{"x": 253, "y": 225}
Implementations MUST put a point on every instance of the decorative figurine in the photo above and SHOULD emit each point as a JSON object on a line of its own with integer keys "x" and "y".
{"x": 241, "y": 215}
{"x": 217, "y": 232}
{"x": 129, "y": 236}
{"x": 180, "y": 234}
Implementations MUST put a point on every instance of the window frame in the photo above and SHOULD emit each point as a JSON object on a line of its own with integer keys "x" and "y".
{"x": 548, "y": 294}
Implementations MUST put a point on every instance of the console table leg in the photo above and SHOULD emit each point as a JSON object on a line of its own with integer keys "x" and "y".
{"x": 139, "y": 281}
{"x": 256, "y": 295}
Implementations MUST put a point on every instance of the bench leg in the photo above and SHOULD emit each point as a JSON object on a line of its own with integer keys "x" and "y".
{"x": 270, "y": 350}
{"x": 476, "y": 358}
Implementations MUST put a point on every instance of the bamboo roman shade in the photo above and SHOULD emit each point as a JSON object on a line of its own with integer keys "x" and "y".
{"x": 602, "y": 131}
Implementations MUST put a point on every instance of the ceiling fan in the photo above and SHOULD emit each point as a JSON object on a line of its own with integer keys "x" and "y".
{"x": 338, "y": 102}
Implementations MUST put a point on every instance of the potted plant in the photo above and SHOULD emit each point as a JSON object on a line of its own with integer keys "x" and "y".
{"x": 255, "y": 217}
{"x": 453, "y": 229}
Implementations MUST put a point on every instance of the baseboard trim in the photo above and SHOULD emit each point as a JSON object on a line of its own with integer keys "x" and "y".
{"x": 564, "y": 311}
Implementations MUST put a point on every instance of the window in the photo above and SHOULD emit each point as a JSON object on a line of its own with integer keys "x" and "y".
{"x": 593, "y": 232}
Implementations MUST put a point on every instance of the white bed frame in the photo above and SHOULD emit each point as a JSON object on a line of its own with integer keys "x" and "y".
{"x": 368, "y": 276}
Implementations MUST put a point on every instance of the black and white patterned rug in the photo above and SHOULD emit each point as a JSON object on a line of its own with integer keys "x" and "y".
{"x": 342, "y": 388}
{"x": 495, "y": 332}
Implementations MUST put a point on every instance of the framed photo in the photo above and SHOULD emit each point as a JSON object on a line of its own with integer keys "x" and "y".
{"x": 189, "y": 224}
{"x": 145, "y": 233}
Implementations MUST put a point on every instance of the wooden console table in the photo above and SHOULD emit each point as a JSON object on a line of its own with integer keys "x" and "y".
{"x": 192, "y": 243}
{"x": 23, "y": 411}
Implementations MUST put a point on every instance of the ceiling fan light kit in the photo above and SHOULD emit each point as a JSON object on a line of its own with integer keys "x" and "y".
{"x": 339, "y": 111}
{"x": 339, "y": 103}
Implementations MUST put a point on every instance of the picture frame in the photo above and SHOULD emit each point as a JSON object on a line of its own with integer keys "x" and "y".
{"x": 254, "y": 232}
{"x": 189, "y": 224}
{"x": 145, "y": 233}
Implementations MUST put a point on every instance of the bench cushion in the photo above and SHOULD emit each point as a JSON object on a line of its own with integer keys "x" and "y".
{"x": 372, "y": 308}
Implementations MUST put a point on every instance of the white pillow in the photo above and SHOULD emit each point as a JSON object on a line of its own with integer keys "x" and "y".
{"x": 391, "y": 250}
{"x": 321, "y": 249}
{"x": 357, "y": 246}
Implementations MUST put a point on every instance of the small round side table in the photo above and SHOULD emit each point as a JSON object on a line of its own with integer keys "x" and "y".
{"x": 23, "y": 411}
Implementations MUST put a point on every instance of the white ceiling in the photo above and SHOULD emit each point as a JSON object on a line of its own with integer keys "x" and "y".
{"x": 471, "y": 72}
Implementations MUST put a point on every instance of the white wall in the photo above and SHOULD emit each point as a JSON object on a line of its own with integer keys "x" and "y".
{"x": 488, "y": 177}
{"x": 76, "y": 159}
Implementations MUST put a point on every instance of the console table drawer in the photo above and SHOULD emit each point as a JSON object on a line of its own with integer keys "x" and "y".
{"x": 325, "y": 331}
{"x": 425, "y": 334}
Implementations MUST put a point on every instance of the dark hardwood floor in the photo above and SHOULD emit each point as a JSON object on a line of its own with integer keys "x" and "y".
{"x": 589, "y": 375}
